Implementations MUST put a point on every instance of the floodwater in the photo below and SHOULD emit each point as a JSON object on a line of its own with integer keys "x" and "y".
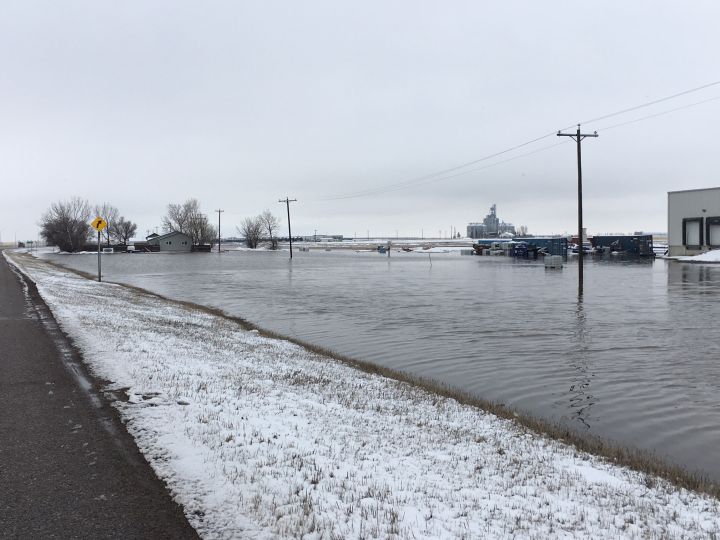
{"x": 635, "y": 360}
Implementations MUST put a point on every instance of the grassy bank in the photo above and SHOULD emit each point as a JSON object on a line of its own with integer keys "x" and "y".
{"x": 639, "y": 460}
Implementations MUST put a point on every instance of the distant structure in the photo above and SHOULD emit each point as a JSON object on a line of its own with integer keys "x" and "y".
{"x": 491, "y": 227}
{"x": 323, "y": 238}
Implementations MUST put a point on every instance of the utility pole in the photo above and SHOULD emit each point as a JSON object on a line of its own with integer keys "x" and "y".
{"x": 578, "y": 137}
{"x": 287, "y": 201}
{"x": 219, "y": 212}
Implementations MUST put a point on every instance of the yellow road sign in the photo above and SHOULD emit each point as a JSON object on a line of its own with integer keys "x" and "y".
{"x": 98, "y": 224}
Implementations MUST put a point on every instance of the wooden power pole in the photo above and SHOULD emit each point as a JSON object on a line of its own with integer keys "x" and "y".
{"x": 219, "y": 212}
{"x": 287, "y": 201}
{"x": 578, "y": 137}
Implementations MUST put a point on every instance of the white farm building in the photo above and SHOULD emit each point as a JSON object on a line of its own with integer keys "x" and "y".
{"x": 693, "y": 221}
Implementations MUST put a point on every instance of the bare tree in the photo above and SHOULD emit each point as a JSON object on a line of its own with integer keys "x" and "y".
{"x": 522, "y": 230}
{"x": 188, "y": 219}
{"x": 123, "y": 230}
{"x": 200, "y": 230}
{"x": 270, "y": 224}
{"x": 66, "y": 224}
{"x": 251, "y": 229}
{"x": 178, "y": 216}
{"x": 110, "y": 214}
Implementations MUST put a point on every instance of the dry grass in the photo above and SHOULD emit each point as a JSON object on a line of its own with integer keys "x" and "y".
{"x": 633, "y": 458}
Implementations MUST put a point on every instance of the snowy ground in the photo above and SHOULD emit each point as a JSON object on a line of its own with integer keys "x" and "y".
{"x": 707, "y": 257}
{"x": 259, "y": 438}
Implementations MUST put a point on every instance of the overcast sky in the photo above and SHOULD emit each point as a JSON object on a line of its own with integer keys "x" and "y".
{"x": 238, "y": 104}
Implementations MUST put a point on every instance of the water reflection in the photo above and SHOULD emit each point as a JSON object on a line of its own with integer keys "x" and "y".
{"x": 696, "y": 278}
{"x": 581, "y": 399}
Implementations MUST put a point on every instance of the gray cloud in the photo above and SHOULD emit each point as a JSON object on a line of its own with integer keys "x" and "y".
{"x": 238, "y": 104}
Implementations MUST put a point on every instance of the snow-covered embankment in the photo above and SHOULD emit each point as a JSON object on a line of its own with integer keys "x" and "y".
{"x": 258, "y": 437}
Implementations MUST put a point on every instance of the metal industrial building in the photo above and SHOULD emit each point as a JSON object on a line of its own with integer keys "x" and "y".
{"x": 490, "y": 227}
{"x": 693, "y": 221}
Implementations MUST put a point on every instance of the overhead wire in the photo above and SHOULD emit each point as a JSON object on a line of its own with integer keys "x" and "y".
{"x": 444, "y": 173}
{"x": 650, "y": 103}
{"x": 663, "y": 113}
{"x": 436, "y": 175}
{"x": 447, "y": 177}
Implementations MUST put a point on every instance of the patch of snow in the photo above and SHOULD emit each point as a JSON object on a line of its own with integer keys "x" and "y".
{"x": 594, "y": 475}
{"x": 260, "y": 438}
{"x": 709, "y": 256}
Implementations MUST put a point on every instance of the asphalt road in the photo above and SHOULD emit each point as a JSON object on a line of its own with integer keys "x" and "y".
{"x": 68, "y": 467}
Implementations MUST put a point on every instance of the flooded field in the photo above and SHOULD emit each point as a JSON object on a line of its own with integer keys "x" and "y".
{"x": 634, "y": 360}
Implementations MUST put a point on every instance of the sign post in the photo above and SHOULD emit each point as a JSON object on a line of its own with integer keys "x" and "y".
{"x": 99, "y": 224}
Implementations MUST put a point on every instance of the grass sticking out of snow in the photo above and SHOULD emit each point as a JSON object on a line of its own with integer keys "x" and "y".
{"x": 259, "y": 437}
{"x": 638, "y": 460}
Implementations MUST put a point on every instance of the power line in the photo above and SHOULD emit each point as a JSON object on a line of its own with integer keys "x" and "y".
{"x": 430, "y": 178}
{"x": 689, "y": 105}
{"x": 433, "y": 176}
{"x": 438, "y": 176}
{"x": 448, "y": 177}
{"x": 443, "y": 174}
{"x": 649, "y": 103}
